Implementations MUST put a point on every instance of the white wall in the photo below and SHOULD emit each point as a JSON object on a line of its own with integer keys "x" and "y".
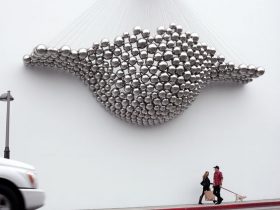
{"x": 88, "y": 159}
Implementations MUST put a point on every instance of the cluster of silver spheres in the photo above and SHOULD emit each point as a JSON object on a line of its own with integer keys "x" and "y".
{"x": 142, "y": 78}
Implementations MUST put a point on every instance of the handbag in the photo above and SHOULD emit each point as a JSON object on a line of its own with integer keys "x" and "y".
{"x": 209, "y": 196}
{"x": 202, "y": 183}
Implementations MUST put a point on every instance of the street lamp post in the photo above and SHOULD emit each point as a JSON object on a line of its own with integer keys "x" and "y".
{"x": 7, "y": 97}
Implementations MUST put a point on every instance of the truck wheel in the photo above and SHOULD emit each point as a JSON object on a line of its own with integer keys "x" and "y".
{"x": 9, "y": 199}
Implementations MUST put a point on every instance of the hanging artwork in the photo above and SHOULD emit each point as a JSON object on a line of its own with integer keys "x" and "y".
{"x": 142, "y": 78}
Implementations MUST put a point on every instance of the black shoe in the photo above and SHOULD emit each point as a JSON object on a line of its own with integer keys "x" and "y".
{"x": 220, "y": 201}
{"x": 200, "y": 203}
{"x": 214, "y": 201}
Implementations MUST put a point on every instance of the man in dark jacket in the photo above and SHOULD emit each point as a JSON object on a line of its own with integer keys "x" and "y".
{"x": 217, "y": 184}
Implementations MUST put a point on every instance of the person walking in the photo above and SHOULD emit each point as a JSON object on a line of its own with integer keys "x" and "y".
{"x": 217, "y": 184}
{"x": 206, "y": 185}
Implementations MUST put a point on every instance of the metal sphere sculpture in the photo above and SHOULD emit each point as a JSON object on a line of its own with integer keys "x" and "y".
{"x": 145, "y": 79}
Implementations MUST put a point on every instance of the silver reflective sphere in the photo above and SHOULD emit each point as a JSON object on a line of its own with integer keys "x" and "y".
{"x": 145, "y": 79}
{"x": 137, "y": 30}
{"x": 27, "y": 59}
{"x": 41, "y": 50}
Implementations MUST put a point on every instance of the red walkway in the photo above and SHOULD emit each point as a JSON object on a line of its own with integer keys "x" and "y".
{"x": 239, "y": 205}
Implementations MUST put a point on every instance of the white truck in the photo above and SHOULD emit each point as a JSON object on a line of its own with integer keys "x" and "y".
{"x": 19, "y": 186}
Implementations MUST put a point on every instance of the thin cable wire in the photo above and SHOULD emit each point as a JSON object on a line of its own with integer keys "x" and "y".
{"x": 116, "y": 26}
{"x": 181, "y": 19}
{"x": 162, "y": 12}
{"x": 119, "y": 23}
{"x": 167, "y": 20}
{"x": 167, "y": 11}
{"x": 76, "y": 28}
{"x": 72, "y": 27}
{"x": 213, "y": 35}
{"x": 82, "y": 33}
{"x": 229, "y": 50}
{"x": 59, "y": 36}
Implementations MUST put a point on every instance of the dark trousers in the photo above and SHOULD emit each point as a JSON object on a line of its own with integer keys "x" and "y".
{"x": 201, "y": 197}
{"x": 203, "y": 190}
{"x": 217, "y": 190}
